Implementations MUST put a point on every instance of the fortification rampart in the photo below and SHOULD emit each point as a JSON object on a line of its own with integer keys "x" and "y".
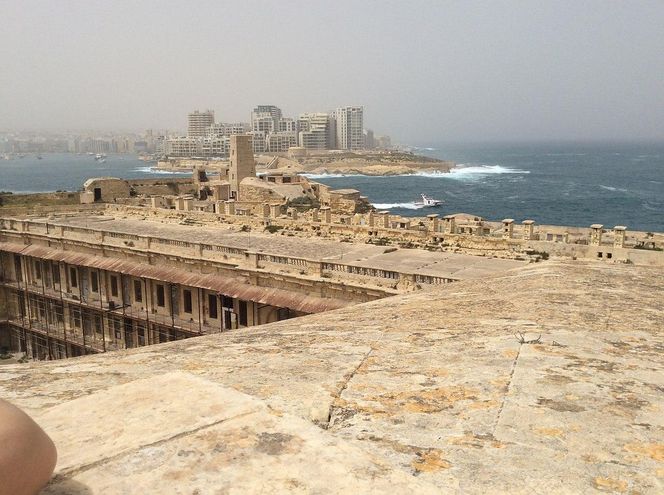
{"x": 342, "y": 280}
{"x": 456, "y": 233}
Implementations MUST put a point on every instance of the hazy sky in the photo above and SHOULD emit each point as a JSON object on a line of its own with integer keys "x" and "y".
{"x": 425, "y": 71}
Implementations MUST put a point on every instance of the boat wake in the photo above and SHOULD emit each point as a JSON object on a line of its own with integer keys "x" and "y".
{"x": 408, "y": 206}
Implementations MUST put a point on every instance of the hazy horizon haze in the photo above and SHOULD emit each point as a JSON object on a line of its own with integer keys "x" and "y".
{"x": 424, "y": 71}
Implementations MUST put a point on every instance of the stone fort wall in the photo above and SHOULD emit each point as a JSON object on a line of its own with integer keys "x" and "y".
{"x": 470, "y": 235}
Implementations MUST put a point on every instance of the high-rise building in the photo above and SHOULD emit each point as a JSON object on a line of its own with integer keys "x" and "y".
{"x": 199, "y": 122}
{"x": 257, "y": 141}
{"x": 287, "y": 125}
{"x": 280, "y": 141}
{"x": 216, "y": 146}
{"x": 316, "y": 131}
{"x": 183, "y": 147}
{"x": 263, "y": 123}
{"x": 265, "y": 118}
{"x": 273, "y": 111}
{"x": 350, "y": 128}
{"x": 228, "y": 129}
{"x": 369, "y": 142}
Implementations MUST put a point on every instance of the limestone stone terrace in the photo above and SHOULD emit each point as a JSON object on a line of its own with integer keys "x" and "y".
{"x": 429, "y": 392}
{"x": 416, "y": 261}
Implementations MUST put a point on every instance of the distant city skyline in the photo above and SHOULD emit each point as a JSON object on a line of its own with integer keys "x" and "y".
{"x": 425, "y": 72}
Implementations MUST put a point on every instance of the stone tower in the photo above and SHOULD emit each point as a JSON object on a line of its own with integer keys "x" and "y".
{"x": 242, "y": 162}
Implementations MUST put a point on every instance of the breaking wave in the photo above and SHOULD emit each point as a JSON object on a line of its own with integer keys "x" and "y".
{"x": 153, "y": 170}
{"x": 459, "y": 172}
{"x": 330, "y": 176}
{"x": 387, "y": 206}
{"x": 611, "y": 188}
{"x": 464, "y": 170}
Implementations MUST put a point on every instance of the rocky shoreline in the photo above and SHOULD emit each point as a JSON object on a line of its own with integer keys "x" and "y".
{"x": 364, "y": 163}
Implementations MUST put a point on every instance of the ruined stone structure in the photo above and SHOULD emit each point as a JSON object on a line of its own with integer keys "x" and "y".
{"x": 429, "y": 355}
{"x": 242, "y": 163}
{"x": 113, "y": 190}
{"x": 462, "y": 233}
{"x": 90, "y": 283}
{"x": 76, "y": 284}
{"x": 83, "y": 284}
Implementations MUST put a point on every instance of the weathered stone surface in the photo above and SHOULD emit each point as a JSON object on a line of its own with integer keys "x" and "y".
{"x": 195, "y": 436}
{"x": 432, "y": 384}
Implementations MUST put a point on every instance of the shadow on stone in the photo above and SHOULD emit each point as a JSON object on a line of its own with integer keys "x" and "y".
{"x": 66, "y": 487}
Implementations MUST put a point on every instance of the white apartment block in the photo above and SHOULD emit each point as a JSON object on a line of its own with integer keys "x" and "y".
{"x": 350, "y": 128}
{"x": 316, "y": 131}
{"x": 263, "y": 123}
{"x": 287, "y": 125}
{"x": 258, "y": 141}
{"x": 265, "y": 118}
{"x": 228, "y": 129}
{"x": 216, "y": 147}
{"x": 199, "y": 122}
{"x": 271, "y": 110}
{"x": 280, "y": 141}
{"x": 184, "y": 147}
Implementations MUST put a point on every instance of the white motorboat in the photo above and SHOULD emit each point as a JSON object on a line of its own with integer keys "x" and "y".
{"x": 428, "y": 202}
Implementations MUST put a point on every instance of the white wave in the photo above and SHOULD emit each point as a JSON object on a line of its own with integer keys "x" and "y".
{"x": 485, "y": 170}
{"x": 430, "y": 174}
{"x": 459, "y": 172}
{"x": 153, "y": 170}
{"x": 470, "y": 171}
{"x": 330, "y": 176}
{"x": 387, "y": 206}
{"x": 611, "y": 188}
{"x": 648, "y": 206}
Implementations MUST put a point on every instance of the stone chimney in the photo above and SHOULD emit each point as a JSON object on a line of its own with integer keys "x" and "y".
{"x": 508, "y": 228}
{"x": 619, "y": 232}
{"x": 327, "y": 214}
{"x": 596, "y": 231}
{"x": 528, "y": 230}
{"x": 433, "y": 222}
{"x": 450, "y": 224}
{"x": 385, "y": 216}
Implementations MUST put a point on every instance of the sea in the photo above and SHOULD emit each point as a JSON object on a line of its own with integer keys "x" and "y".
{"x": 552, "y": 183}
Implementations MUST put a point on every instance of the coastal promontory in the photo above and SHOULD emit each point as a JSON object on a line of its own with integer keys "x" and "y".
{"x": 373, "y": 163}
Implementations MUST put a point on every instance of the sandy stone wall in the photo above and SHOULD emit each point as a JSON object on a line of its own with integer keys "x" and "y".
{"x": 152, "y": 187}
{"x": 369, "y": 228}
{"x": 113, "y": 189}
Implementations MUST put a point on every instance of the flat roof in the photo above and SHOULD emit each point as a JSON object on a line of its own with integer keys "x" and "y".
{"x": 420, "y": 261}
{"x": 428, "y": 392}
